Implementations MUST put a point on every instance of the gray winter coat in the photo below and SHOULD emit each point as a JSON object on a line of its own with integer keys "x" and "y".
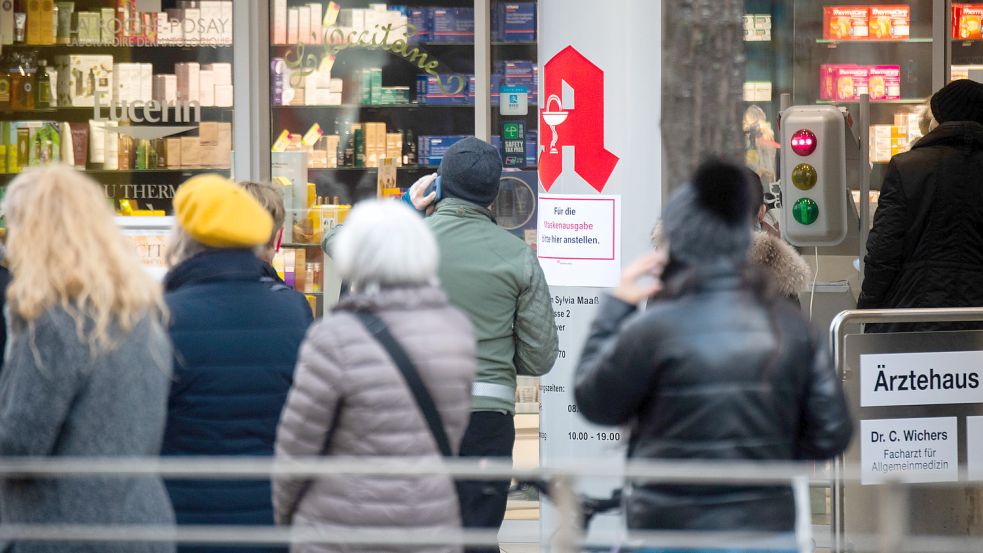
{"x": 341, "y": 364}
{"x": 58, "y": 399}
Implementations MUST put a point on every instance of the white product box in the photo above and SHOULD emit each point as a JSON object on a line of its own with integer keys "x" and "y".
{"x": 227, "y": 19}
{"x": 6, "y": 22}
{"x": 327, "y": 98}
{"x": 293, "y": 25}
{"x": 317, "y": 32}
{"x": 210, "y": 24}
{"x": 188, "y": 81}
{"x": 176, "y": 22}
{"x": 146, "y": 82}
{"x": 279, "y": 21}
{"x": 310, "y": 91}
{"x": 336, "y": 85}
{"x": 53, "y": 78}
{"x": 97, "y": 141}
{"x": 304, "y": 25}
{"x": 83, "y": 77}
{"x": 206, "y": 87}
{"x": 222, "y": 72}
{"x": 224, "y": 95}
{"x": 111, "y": 147}
{"x": 162, "y": 28}
{"x": 190, "y": 26}
{"x": 165, "y": 89}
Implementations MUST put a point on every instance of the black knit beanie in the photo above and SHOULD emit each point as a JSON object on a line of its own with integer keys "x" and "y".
{"x": 960, "y": 100}
{"x": 709, "y": 220}
{"x": 471, "y": 171}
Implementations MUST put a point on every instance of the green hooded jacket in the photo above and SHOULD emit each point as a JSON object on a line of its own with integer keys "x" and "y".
{"x": 495, "y": 278}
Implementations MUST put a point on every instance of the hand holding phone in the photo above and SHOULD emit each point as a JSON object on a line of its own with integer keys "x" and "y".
{"x": 425, "y": 191}
{"x": 642, "y": 278}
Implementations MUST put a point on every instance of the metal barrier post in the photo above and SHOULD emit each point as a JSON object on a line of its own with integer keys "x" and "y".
{"x": 893, "y": 513}
{"x": 568, "y": 532}
{"x": 837, "y": 340}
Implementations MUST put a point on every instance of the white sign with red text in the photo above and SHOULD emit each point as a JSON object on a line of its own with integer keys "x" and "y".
{"x": 579, "y": 239}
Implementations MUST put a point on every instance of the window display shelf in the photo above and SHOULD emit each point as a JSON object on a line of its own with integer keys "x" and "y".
{"x": 116, "y": 47}
{"x": 911, "y": 101}
{"x": 406, "y": 168}
{"x": 349, "y": 107}
{"x": 879, "y": 41}
{"x": 80, "y": 113}
{"x": 495, "y": 44}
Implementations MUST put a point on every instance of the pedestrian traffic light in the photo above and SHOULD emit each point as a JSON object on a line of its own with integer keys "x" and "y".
{"x": 814, "y": 176}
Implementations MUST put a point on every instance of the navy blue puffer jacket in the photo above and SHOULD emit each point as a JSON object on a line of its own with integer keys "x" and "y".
{"x": 236, "y": 338}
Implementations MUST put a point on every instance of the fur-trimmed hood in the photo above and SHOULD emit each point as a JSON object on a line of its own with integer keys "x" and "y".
{"x": 788, "y": 270}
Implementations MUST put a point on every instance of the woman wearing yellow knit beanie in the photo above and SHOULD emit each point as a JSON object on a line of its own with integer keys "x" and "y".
{"x": 235, "y": 346}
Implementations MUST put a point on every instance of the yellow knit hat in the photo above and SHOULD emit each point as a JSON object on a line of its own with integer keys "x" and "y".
{"x": 220, "y": 214}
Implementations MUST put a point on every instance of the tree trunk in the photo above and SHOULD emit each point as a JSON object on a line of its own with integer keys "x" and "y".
{"x": 702, "y": 84}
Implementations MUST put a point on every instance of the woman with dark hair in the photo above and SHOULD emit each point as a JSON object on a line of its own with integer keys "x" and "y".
{"x": 720, "y": 368}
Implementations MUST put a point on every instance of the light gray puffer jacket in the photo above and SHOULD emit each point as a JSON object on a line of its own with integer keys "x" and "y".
{"x": 340, "y": 363}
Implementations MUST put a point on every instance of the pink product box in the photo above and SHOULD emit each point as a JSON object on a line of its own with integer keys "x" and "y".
{"x": 843, "y": 82}
{"x": 884, "y": 82}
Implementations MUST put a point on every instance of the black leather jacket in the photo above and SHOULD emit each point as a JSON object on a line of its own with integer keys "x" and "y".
{"x": 714, "y": 374}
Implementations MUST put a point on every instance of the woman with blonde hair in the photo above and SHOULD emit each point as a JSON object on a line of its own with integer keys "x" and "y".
{"x": 88, "y": 362}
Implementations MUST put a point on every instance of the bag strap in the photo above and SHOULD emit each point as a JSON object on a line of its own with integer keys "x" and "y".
{"x": 377, "y": 328}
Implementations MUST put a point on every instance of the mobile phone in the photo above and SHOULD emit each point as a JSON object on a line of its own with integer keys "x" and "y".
{"x": 434, "y": 187}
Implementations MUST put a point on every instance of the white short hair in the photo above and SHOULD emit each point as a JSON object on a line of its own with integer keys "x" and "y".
{"x": 385, "y": 244}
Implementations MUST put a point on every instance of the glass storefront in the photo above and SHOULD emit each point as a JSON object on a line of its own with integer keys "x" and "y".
{"x": 139, "y": 95}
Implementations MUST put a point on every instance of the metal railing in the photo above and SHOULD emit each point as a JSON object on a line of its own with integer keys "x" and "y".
{"x": 893, "y": 504}
{"x": 568, "y": 537}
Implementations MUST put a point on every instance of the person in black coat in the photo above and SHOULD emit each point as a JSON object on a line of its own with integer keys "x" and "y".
{"x": 714, "y": 369}
{"x": 926, "y": 246}
{"x": 236, "y": 340}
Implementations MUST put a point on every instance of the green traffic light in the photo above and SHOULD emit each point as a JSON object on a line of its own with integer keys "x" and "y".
{"x": 805, "y": 211}
{"x": 804, "y": 176}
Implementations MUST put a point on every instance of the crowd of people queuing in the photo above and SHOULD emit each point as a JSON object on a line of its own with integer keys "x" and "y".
{"x": 419, "y": 358}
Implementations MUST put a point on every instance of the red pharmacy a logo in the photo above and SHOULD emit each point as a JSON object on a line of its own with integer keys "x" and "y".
{"x": 580, "y": 126}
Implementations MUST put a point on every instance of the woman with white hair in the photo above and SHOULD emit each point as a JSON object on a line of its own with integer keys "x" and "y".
{"x": 88, "y": 361}
{"x": 350, "y": 398}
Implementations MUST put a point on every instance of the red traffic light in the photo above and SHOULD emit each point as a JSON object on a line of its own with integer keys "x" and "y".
{"x": 804, "y": 142}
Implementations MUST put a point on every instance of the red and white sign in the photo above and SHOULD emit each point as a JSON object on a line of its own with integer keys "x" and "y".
{"x": 579, "y": 242}
{"x": 581, "y": 127}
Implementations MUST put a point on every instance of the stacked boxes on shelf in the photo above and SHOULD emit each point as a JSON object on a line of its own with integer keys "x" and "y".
{"x": 84, "y": 79}
{"x": 524, "y": 73}
{"x": 433, "y": 148}
{"x": 879, "y": 22}
{"x": 429, "y": 90}
{"x": 320, "y": 23}
{"x": 887, "y": 141}
{"x": 757, "y": 28}
{"x": 514, "y": 22}
{"x": 352, "y": 145}
{"x": 453, "y": 25}
{"x": 105, "y": 145}
{"x": 967, "y": 21}
{"x": 374, "y": 94}
{"x": 192, "y": 23}
{"x": 315, "y": 89}
{"x": 847, "y": 82}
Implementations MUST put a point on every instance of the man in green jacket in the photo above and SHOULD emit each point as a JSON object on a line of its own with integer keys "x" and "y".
{"x": 495, "y": 278}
